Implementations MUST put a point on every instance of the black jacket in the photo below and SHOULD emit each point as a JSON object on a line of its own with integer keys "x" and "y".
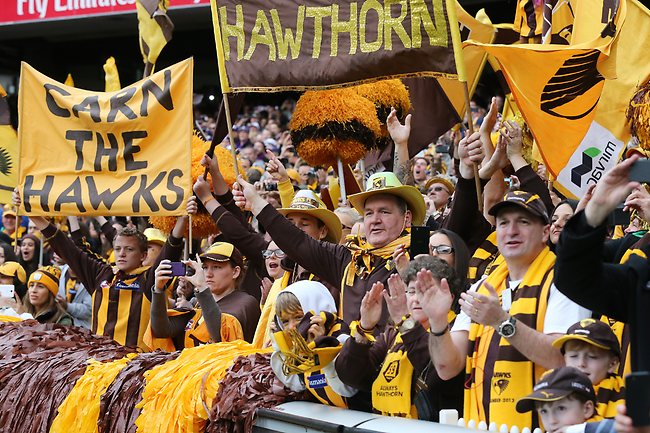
{"x": 621, "y": 291}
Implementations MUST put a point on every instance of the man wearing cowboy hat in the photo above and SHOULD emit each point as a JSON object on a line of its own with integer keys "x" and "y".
{"x": 439, "y": 190}
{"x": 388, "y": 209}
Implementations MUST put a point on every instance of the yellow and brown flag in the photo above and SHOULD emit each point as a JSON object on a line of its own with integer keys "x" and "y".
{"x": 8, "y": 151}
{"x": 557, "y": 88}
{"x": 608, "y": 132}
{"x": 155, "y": 29}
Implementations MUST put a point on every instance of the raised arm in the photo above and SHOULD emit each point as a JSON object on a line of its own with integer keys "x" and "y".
{"x": 323, "y": 259}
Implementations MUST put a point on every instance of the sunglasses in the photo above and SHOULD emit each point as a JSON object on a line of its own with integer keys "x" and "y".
{"x": 441, "y": 249}
{"x": 438, "y": 189}
{"x": 267, "y": 254}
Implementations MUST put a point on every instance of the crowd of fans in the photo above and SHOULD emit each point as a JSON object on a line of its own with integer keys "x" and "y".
{"x": 499, "y": 320}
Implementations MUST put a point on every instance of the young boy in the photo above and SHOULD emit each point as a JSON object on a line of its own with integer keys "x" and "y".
{"x": 563, "y": 397}
{"x": 591, "y": 347}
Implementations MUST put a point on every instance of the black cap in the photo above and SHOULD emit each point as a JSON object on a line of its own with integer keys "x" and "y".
{"x": 556, "y": 384}
{"x": 529, "y": 202}
{"x": 591, "y": 331}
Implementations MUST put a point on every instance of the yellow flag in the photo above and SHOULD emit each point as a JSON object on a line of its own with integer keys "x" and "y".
{"x": 608, "y": 133}
{"x": 478, "y": 29}
{"x": 155, "y": 28}
{"x": 8, "y": 151}
{"x": 558, "y": 87}
{"x": 112, "y": 77}
{"x": 118, "y": 153}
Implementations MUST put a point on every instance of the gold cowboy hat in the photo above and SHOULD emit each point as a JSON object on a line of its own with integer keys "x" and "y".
{"x": 306, "y": 201}
{"x": 387, "y": 183}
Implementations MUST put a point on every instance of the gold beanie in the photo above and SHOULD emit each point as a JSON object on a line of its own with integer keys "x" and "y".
{"x": 47, "y": 276}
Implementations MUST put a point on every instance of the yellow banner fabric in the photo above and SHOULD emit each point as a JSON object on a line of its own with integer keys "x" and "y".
{"x": 119, "y": 153}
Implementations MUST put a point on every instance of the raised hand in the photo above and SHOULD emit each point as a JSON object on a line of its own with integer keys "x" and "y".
{"x": 612, "y": 189}
{"x": 275, "y": 168}
{"x": 248, "y": 194}
{"x": 395, "y": 298}
{"x": 371, "y": 306}
{"x": 202, "y": 189}
{"x": 470, "y": 152}
{"x": 483, "y": 309}
{"x": 398, "y": 132}
{"x": 435, "y": 298}
{"x": 163, "y": 274}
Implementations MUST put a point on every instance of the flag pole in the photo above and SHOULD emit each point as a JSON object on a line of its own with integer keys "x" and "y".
{"x": 231, "y": 136}
{"x": 462, "y": 77}
{"x": 16, "y": 230}
{"x": 344, "y": 196}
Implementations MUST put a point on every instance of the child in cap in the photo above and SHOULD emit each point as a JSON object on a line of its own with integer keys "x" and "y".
{"x": 40, "y": 301}
{"x": 309, "y": 337}
{"x": 563, "y": 397}
{"x": 591, "y": 347}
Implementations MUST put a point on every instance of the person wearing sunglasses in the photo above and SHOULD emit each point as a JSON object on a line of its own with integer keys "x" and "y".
{"x": 439, "y": 190}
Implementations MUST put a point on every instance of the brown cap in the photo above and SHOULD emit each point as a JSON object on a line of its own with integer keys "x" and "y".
{"x": 591, "y": 331}
{"x": 556, "y": 384}
{"x": 223, "y": 252}
{"x": 531, "y": 203}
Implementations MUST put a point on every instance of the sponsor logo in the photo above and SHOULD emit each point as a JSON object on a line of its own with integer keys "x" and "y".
{"x": 391, "y": 371}
{"x": 596, "y": 170}
{"x": 566, "y": 95}
{"x": 317, "y": 381}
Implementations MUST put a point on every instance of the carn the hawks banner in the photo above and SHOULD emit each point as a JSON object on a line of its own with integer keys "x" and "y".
{"x": 318, "y": 44}
{"x": 94, "y": 153}
{"x": 557, "y": 87}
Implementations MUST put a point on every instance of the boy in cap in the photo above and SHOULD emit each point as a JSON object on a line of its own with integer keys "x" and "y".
{"x": 591, "y": 347}
{"x": 563, "y": 397}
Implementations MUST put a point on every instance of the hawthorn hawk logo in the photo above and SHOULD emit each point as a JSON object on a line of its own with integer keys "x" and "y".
{"x": 567, "y": 94}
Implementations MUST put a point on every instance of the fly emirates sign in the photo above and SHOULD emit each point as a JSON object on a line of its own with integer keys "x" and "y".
{"x": 18, "y": 11}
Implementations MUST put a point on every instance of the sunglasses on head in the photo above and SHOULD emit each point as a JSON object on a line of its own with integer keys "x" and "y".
{"x": 267, "y": 254}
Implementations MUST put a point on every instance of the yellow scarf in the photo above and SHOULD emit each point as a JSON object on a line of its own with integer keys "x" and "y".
{"x": 361, "y": 264}
{"x": 497, "y": 374}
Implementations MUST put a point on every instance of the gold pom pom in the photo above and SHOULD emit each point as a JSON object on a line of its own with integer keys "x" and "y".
{"x": 338, "y": 123}
{"x": 638, "y": 115}
{"x": 384, "y": 95}
{"x": 202, "y": 224}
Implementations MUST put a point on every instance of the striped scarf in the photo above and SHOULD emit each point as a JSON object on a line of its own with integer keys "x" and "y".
{"x": 483, "y": 257}
{"x": 496, "y": 373}
{"x": 362, "y": 263}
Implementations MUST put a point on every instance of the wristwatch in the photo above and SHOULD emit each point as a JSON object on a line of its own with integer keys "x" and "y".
{"x": 508, "y": 328}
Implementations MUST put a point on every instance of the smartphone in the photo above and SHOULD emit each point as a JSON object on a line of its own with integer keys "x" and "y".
{"x": 7, "y": 291}
{"x": 640, "y": 171}
{"x": 178, "y": 269}
{"x": 419, "y": 240}
{"x": 618, "y": 217}
{"x": 637, "y": 397}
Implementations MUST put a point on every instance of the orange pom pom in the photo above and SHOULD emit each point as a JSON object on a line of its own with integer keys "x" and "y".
{"x": 202, "y": 224}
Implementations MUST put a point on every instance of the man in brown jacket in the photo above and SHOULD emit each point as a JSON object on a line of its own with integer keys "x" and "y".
{"x": 388, "y": 209}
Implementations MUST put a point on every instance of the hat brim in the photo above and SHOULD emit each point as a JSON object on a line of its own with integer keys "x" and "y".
{"x": 9, "y": 213}
{"x": 214, "y": 257}
{"x": 409, "y": 194}
{"x": 327, "y": 217}
{"x": 526, "y": 404}
{"x": 446, "y": 182}
{"x": 494, "y": 210}
{"x": 559, "y": 342}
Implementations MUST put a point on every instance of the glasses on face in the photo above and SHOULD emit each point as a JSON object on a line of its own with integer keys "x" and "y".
{"x": 438, "y": 189}
{"x": 441, "y": 249}
{"x": 267, "y": 254}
